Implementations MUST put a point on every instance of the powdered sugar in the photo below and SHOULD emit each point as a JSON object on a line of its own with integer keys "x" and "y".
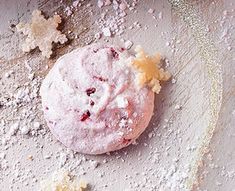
{"x": 106, "y": 32}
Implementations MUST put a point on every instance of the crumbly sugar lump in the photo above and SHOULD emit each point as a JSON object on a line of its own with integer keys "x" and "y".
{"x": 62, "y": 181}
{"x": 41, "y": 33}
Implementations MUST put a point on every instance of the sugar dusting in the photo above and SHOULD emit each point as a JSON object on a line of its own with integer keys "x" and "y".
{"x": 208, "y": 53}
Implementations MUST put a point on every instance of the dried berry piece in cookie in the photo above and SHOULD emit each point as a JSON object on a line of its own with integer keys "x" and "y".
{"x": 114, "y": 53}
{"x": 90, "y": 91}
{"x": 85, "y": 115}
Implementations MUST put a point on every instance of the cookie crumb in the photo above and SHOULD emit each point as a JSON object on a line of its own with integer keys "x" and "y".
{"x": 62, "y": 180}
{"x": 30, "y": 157}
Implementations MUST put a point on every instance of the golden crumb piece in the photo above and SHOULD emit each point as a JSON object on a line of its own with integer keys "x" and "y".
{"x": 150, "y": 72}
{"x": 82, "y": 185}
{"x": 62, "y": 181}
{"x": 30, "y": 157}
{"x": 41, "y": 33}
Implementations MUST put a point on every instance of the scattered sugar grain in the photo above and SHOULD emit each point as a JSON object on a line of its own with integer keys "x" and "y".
{"x": 173, "y": 80}
{"x": 128, "y": 44}
{"x": 151, "y": 11}
{"x": 106, "y": 32}
{"x": 24, "y": 130}
{"x": 178, "y": 107}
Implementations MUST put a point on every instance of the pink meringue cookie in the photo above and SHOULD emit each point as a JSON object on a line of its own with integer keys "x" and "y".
{"x": 91, "y": 101}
